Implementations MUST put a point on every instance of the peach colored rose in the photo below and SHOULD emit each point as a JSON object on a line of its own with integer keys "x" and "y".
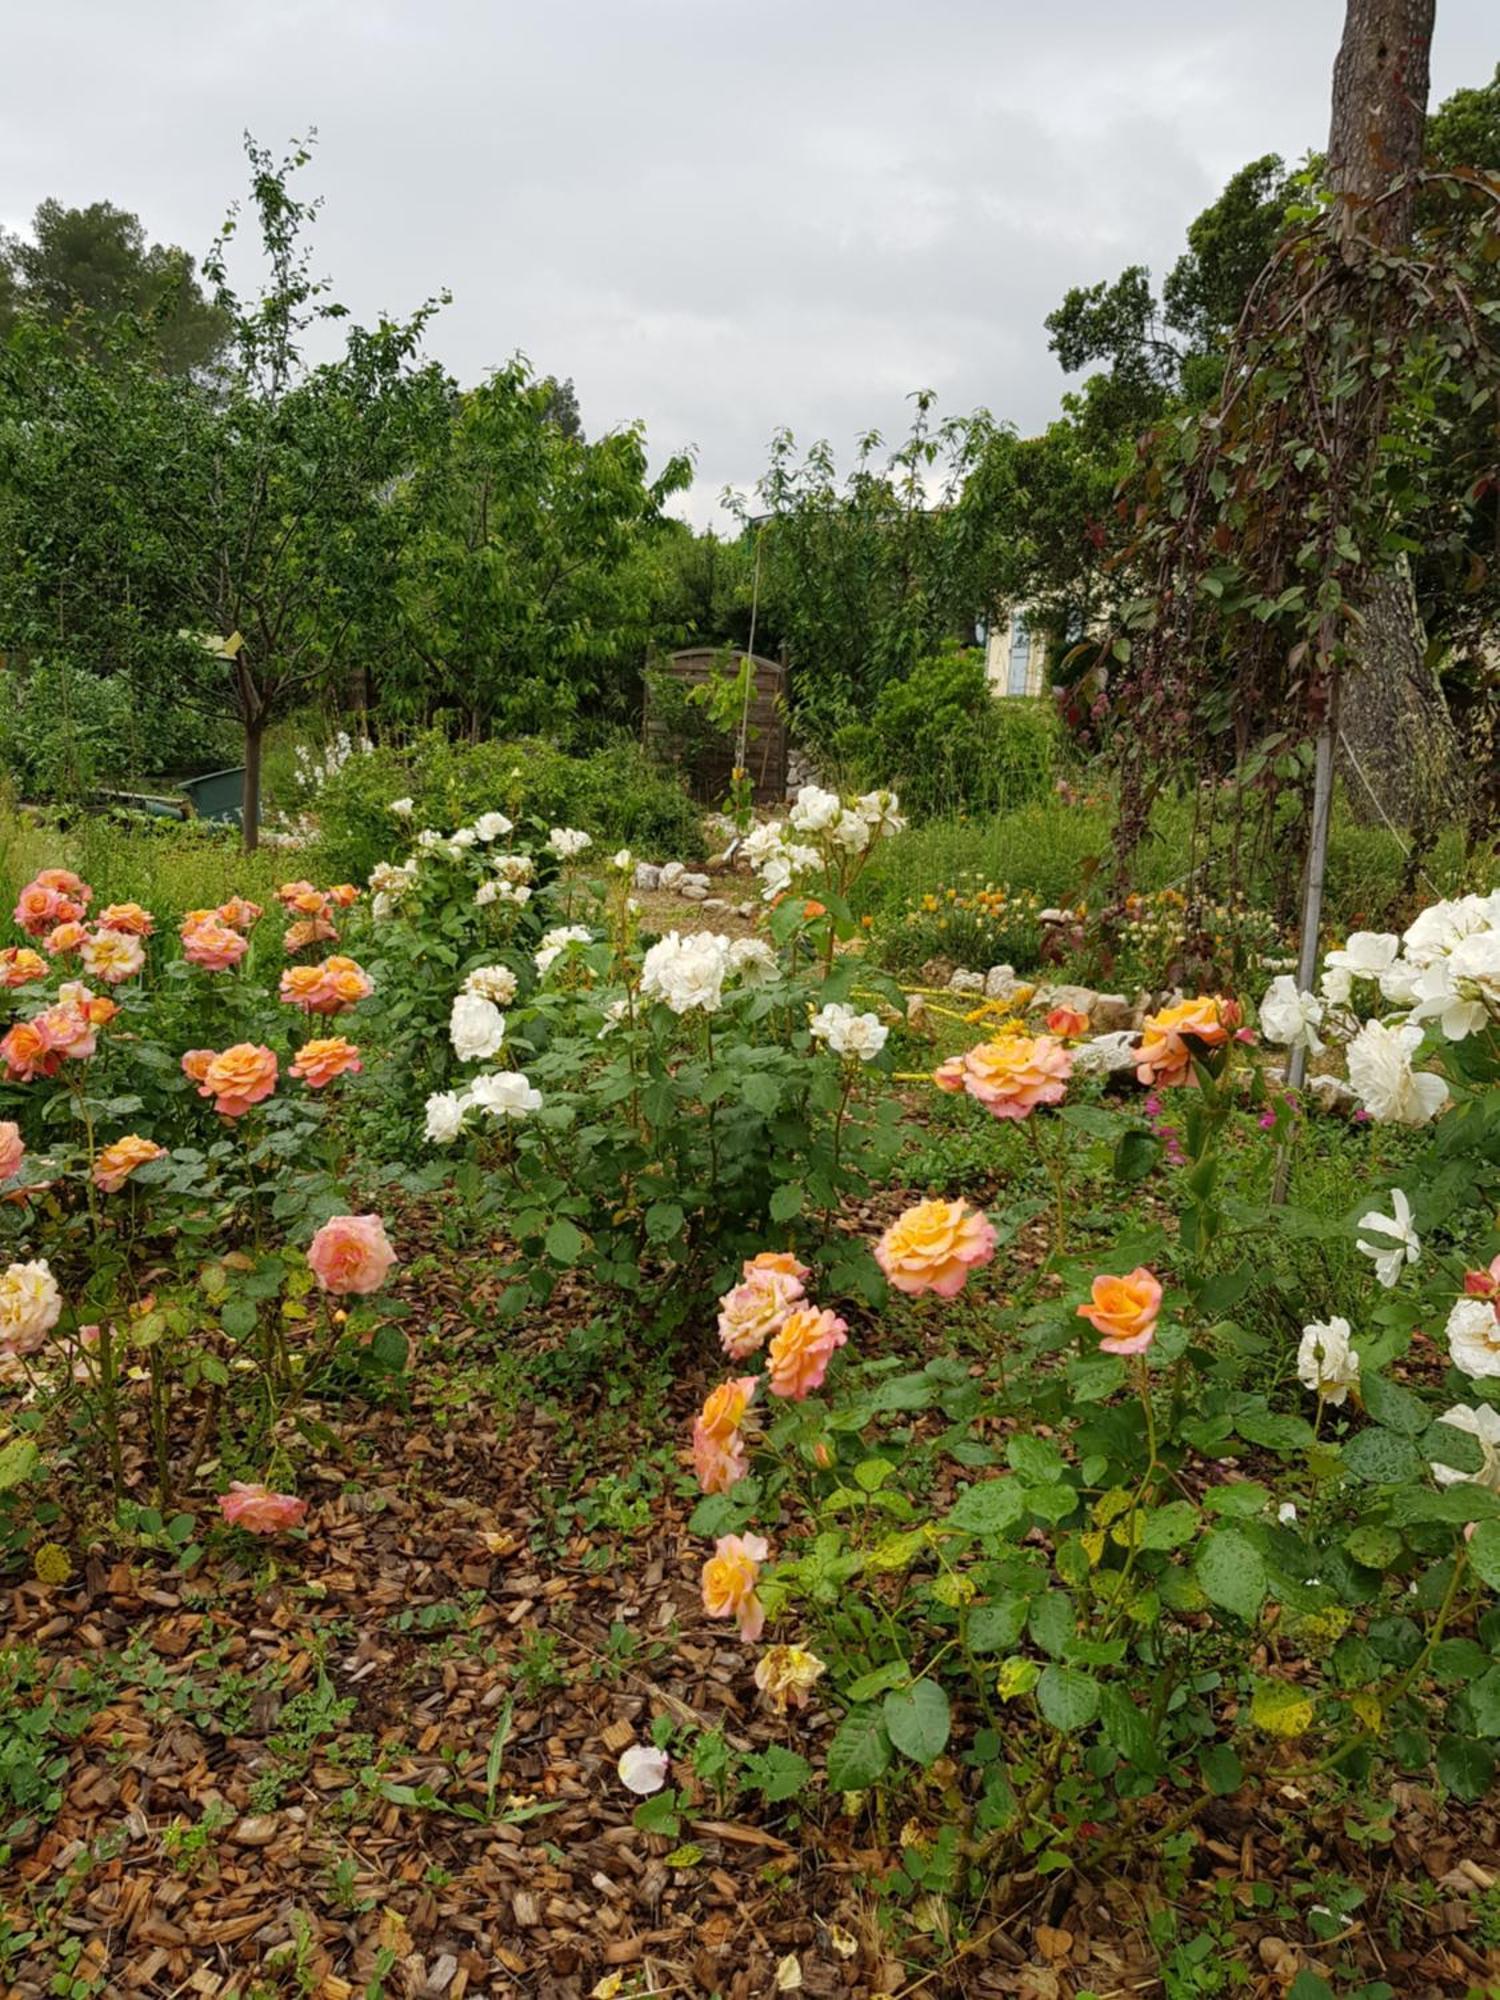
{"x": 113, "y": 956}
{"x": 260, "y": 1511}
{"x": 719, "y": 1463}
{"x": 306, "y": 931}
{"x": 65, "y": 939}
{"x": 212, "y": 944}
{"x": 118, "y": 1162}
{"x": 12, "y": 1150}
{"x": 729, "y": 1579}
{"x": 21, "y": 966}
{"x": 950, "y": 1075}
{"x": 328, "y": 988}
{"x": 239, "y": 913}
{"x": 319, "y": 1062}
{"x": 195, "y": 1064}
{"x": 1165, "y": 1056}
{"x": 238, "y": 1077}
{"x": 798, "y": 1358}
{"x": 97, "y": 1007}
{"x": 70, "y": 1029}
{"x": 1124, "y": 1310}
{"x": 191, "y": 919}
{"x": 344, "y": 895}
{"x": 782, "y": 1261}
{"x": 934, "y": 1246}
{"x": 40, "y": 909}
{"x": 351, "y": 1253}
{"x": 66, "y": 883}
{"x": 724, "y": 1411}
{"x": 753, "y": 1311}
{"x": 28, "y": 1051}
{"x": 127, "y": 917}
{"x": 786, "y": 1676}
{"x": 1067, "y": 1022}
{"x": 299, "y": 896}
{"x": 1013, "y": 1074}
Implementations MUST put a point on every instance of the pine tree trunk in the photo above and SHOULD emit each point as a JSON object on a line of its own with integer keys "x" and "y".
{"x": 1399, "y": 749}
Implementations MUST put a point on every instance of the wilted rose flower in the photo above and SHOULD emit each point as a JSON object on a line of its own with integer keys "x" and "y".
{"x": 798, "y": 1357}
{"x": 786, "y": 1676}
{"x": 260, "y": 1511}
{"x": 1124, "y": 1310}
{"x": 306, "y": 931}
{"x": 351, "y": 1253}
{"x": 116, "y": 1163}
{"x": 318, "y": 1062}
{"x": 729, "y": 1579}
{"x": 1389, "y": 1240}
{"x": 642, "y": 1768}
{"x": 933, "y": 1246}
{"x": 492, "y": 982}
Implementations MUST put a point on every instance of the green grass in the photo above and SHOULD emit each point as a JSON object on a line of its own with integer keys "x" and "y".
{"x": 170, "y": 868}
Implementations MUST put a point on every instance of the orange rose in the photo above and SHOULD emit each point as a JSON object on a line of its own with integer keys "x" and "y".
{"x": 212, "y": 944}
{"x": 729, "y": 1579}
{"x": 239, "y": 913}
{"x": 1067, "y": 1022}
{"x": 344, "y": 894}
{"x": 783, "y": 1261}
{"x": 798, "y": 1357}
{"x": 1165, "y": 1056}
{"x": 21, "y": 966}
{"x": 319, "y": 1062}
{"x": 1124, "y": 1310}
{"x": 934, "y": 1246}
{"x": 118, "y": 1162}
{"x": 238, "y": 1077}
{"x": 127, "y": 917}
{"x": 28, "y": 1051}
{"x": 308, "y": 930}
{"x": 65, "y": 939}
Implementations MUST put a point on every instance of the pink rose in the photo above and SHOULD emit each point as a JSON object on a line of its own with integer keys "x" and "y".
{"x": 753, "y": 1311}
{"x": 259, "y": 1510}
{"x": 12, "y": 1151}
{"x": 798, "y": 1357}
{"x": 351, "y": 1253}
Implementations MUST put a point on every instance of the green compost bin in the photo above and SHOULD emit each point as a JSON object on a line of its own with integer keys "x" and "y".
{"x": 218, "y": 794}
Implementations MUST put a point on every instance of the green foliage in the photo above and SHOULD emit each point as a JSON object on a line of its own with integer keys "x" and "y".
{"x": 942, "y": 739}
{"x": 65, "y": 732}
{"x": 617, "y": 794}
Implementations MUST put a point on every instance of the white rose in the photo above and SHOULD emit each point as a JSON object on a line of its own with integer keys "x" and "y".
{"x": 445, "y": 1117}
{"x": 848, "y": 1033}
{"x": 1291, "y": 1017}
{"x": 506, "y": 1094}
{"x": 1438, "y": 998}
{"x": 513, "y": 867}
{"x": 492, "y": 826}
{"x": 1326, "y": 1363}
{"x": 852, "y": 833}
{"x": 403, "y": 808}
{"x": 615, "y": 1016}
{"x": 1395, "y": 1241}
{"x": 803, "y": 859}
{"x": 622, "y": 859}
{"x": 1382, "y": 1077}
{"x": 568, "y": 842}
{"x": 1474, "y": 1337}
{"x": 381, "y": 906}
{"x": 1482, "y": 1424}
{"x": 476, "y": 1027}
{"x": 754, "y": 961}
{"x": 1440, "y": 926}
{"x": 487, "y": 893}
{"x": 429, "y": 838}
{"x": 687, "y": 973}
{"x": 465, "y": 837}
{"x": 514, "y": 892}
{"x": 555, "y": 943}
{"x": 492, "y": 982}
{"x": 30, "y": 1306}
{"x": 815, "y": 810}
{"x": 881, "y": 811}
{"x": 761, "y": 842}
{"x": 775, "y": 877}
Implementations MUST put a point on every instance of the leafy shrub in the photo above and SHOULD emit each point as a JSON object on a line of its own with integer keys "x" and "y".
{"x": 947, "y": 744}
{"x": 65, "y": 733}
{"x": 616, "y": 794}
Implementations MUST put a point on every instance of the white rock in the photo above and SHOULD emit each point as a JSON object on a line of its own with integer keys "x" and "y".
{"x": 647, "y": 875}
{"x": 744, "y": 909}
{"x": 963, "y": 981}
{"x": 1111, "y": 1011}
{"x": 1000, "y": 982}
{"x": 697, "y": 880}
{"x": 1333, "y": 1095}
{"x": 715, "y": 903}
{"x": 693, "y": 891}
{"x": 1082, "y": 1000}
{"x": 670, "y": 874}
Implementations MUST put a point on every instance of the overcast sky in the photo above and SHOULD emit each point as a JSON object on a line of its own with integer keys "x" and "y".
{"x": 720, "y": 216}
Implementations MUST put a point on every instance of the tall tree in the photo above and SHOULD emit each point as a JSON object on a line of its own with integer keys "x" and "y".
{"x": 83, "y": 268}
